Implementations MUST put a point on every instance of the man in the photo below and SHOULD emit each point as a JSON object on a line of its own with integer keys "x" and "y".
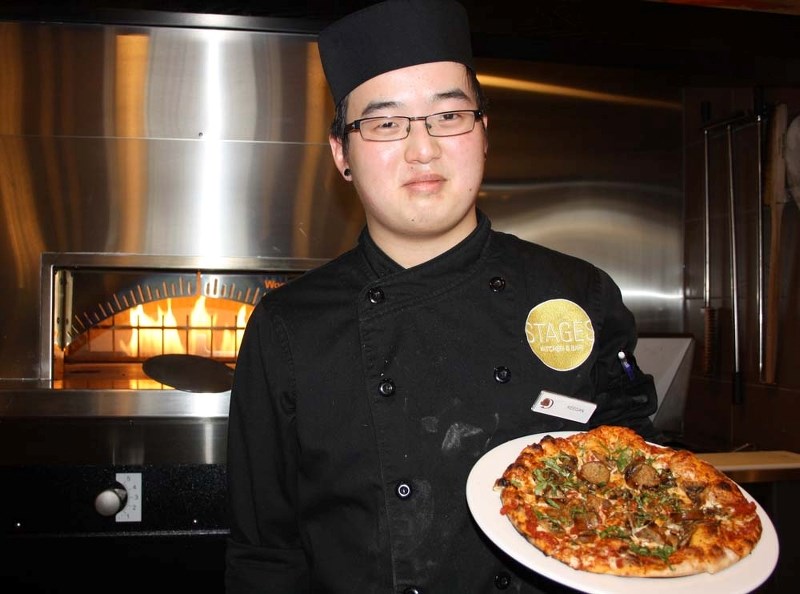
{"x": 367, "y": 389}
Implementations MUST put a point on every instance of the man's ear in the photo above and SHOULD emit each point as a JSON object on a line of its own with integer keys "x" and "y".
{"x": 337, "y": 150}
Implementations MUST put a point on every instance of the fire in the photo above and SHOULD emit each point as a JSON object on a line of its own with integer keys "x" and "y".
{"x": 155, "y": 331}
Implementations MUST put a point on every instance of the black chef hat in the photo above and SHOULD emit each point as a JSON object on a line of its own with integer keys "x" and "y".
{"x": 391, "y": 35}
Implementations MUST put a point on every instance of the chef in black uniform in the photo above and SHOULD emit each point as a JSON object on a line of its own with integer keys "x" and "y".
{"x": 367, "y": 389}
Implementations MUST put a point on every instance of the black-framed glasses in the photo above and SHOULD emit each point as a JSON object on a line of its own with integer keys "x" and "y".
{"x": 388, "y": 128}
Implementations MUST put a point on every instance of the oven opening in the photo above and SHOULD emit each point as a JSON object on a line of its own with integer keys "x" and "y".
{"x": 113, "y": 316}
{"x": 113, "y": 350}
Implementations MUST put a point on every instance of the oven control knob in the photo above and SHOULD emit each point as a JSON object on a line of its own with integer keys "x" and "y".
{"x": 111, "y": 501}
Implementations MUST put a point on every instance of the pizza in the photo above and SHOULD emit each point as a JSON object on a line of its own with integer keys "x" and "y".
{"x": 606, "y": 501}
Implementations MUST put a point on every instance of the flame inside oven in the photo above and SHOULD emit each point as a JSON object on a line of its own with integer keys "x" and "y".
{"x": 208, "y": 328}
{"x": 200, "y": 325}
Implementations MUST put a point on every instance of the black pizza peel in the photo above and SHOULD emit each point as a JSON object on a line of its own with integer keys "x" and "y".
{"x": 190, "y": 373}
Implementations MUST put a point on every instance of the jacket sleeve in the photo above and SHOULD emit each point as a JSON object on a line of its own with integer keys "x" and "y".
{"x": 620, "y": 399}
{"x": 264, "y": 551}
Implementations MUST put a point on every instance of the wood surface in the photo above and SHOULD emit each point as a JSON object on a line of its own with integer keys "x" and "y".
{"x": 774, "y": 198}
{"x": 792, "y": 157}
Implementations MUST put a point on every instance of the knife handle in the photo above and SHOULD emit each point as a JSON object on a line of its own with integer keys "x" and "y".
{"x": 738, "y": 388}
{"x": 710, "y": 339}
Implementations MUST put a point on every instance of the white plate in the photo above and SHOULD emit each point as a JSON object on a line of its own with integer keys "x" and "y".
{"x": 484, "y": 503}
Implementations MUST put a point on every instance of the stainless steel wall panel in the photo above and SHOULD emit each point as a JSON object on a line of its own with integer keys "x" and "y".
{"x": 624, "y": 229}
{"x": 132, "y": 82}
{"x": 175, "y": 197}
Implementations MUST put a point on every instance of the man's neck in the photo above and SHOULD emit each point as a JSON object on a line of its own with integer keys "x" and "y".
{"x": 411, "y": 250}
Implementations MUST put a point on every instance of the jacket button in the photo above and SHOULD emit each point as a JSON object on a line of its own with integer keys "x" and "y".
{"x": 412, "y": 590}
{"x": 497, "y": 284}
{"x": 402, "y": 490}
{"x": 502, "y": 580}
{"x": 375, "y": 295}
{"x": 502, "y": 374}
{"x": 386, "y": 387}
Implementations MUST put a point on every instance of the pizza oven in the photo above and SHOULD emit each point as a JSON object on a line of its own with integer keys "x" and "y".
{"x": 109, "y": 456}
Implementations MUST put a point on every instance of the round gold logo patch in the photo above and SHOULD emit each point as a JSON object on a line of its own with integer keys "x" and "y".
{"x": 560, "y": 333}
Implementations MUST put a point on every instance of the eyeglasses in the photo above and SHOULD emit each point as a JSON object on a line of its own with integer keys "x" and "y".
{"x": 388, "y": 128}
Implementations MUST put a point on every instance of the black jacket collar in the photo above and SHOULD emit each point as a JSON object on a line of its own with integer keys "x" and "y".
{"x": 459, "y": 257}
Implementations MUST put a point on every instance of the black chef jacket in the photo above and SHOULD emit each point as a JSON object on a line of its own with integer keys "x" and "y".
{"x": 364, "y": 393}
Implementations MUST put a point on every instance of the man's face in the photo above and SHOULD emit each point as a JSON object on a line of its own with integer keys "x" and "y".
{"x": 422, "y": 186}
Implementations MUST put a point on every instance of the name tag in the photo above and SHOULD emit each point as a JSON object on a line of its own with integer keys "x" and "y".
{"x": 564, "y": 407}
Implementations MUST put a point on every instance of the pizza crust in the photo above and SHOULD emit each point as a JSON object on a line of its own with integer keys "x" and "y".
{"x": 606, "y": 501}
